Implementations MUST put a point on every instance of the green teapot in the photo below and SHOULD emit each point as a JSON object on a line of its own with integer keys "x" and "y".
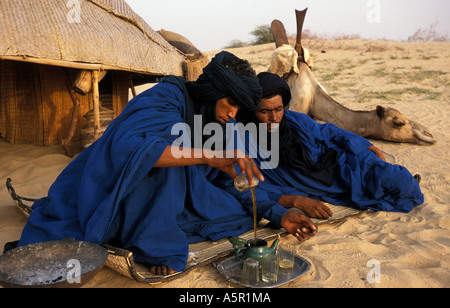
{"x": 256, "y": 249}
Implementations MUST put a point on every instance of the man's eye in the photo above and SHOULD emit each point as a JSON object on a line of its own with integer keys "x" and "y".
{"x": 232, "y": 102}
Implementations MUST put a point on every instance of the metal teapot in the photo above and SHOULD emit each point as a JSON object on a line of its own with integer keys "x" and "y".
{"x": 256, "y": 249}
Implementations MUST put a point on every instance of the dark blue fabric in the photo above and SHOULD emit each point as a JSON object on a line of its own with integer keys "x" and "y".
{"x": 272, "y": 85}
{"x": 218, "y": 81}
{"x": 363, "y": 181}
{"x": 112, "y": 193}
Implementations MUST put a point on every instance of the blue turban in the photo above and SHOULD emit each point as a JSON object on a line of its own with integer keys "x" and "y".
{"x": 272, "y": 85}
{"x": 218, "y": 81}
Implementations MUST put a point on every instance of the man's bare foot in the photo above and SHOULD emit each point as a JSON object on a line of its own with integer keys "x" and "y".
{"x": 162, "y": 270}
{"x": 311, "y": 207}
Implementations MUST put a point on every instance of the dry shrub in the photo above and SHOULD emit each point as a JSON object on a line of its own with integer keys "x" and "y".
{"x": 375, "y": 47}
{"x": 312, "y": 36}
{"x": 428, "y": 35}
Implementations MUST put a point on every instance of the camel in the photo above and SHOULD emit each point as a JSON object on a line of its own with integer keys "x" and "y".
{"x": 310, "y": 97}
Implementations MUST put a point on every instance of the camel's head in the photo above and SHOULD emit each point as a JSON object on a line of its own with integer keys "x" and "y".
{"x": 286, "y": 59}
{"x": 394, "y": 126}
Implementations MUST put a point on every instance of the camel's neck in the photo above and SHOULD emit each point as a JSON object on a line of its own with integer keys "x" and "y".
{"x": 327, "y": 109}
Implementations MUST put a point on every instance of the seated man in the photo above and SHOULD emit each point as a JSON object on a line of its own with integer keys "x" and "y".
{"x": 128, "y": 189}
{"x": 324, "y": 162}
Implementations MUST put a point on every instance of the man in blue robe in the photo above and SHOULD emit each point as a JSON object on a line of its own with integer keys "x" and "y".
{"x": 322, "y": 162}
{"x": 129, "y": 189}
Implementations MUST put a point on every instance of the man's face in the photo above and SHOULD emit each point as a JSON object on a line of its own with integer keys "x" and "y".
{"x": 226, "y": 109}
{"x": 270, "y": 111}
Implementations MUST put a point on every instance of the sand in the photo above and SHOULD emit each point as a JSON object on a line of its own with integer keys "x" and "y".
{"x": 410, "y": 250}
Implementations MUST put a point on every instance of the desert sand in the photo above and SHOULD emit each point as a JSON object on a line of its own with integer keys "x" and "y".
{"x": 412, "y": 250}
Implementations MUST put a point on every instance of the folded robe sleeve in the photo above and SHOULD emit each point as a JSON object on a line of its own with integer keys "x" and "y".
{"x": 327, "y": 134}
{"x": 349, "y": 141}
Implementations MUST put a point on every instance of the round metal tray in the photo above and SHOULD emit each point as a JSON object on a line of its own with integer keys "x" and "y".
{"x": 231, "y": 269}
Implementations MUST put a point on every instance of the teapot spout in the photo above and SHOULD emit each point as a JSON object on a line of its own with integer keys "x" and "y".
{"x": 273, "y": 248}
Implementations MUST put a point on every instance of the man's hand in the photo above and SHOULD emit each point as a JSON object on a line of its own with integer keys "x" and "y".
{"x": 245, "y": 163}
{"x": 311, "y": 207}
{"x": 298, "y": 225}
{"x": 222, "y": 160}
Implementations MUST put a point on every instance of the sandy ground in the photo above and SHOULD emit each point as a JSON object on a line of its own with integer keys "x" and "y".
{"x": 412, "y": 250}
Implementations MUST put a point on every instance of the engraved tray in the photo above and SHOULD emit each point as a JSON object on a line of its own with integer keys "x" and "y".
{"x": 231, "y": 269}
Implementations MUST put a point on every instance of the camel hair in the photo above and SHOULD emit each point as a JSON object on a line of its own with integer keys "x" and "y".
{"x": 310, "y": 97}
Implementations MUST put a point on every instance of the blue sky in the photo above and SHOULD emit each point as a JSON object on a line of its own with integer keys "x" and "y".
{"x": 212, "y": 24}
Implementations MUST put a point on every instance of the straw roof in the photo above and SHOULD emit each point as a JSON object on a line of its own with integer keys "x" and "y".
{"x": 109, "y": 36}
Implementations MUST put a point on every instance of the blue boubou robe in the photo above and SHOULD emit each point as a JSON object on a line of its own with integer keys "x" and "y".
{"x": 363, "y": 180}
{"x": 112, "y": 193}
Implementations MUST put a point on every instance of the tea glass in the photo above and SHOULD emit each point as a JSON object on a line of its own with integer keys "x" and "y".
{"x": 270, "y": 269}
{"x": 242, "y": 183}
{"x": 286, "y": 255}
{"x": 250, "y": 272}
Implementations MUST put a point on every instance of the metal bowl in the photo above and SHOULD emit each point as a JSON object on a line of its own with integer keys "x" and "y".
{"x": 66, "y": 263}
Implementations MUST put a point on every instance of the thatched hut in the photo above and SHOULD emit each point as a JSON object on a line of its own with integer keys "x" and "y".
{"x": 45, "y": 45}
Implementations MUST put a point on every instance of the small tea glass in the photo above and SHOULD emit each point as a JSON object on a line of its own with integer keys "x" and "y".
{"x": 270, "y": 269}
{"x": 286, "y": 255}
{"x": 241, "y": 182}
{"x": 250, "y": 272}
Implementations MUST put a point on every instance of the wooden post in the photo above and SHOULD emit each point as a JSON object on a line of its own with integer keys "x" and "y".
{"x": 133, "y": 89}
{"x": 96, "y": 98}
{"x": 75, "y": 113}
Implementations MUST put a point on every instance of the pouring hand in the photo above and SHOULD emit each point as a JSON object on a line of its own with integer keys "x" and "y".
{"x": 222, "y": 160}
{"x": 227, "y": 163}
{"x": 298, "y": 225}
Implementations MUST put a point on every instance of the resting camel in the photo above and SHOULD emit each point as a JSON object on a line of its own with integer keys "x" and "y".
{"x": 308, "y": 96}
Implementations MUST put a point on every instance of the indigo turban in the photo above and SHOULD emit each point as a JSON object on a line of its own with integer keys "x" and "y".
{"x": 272, "y": 85}
{"x": 218, "y": 81}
